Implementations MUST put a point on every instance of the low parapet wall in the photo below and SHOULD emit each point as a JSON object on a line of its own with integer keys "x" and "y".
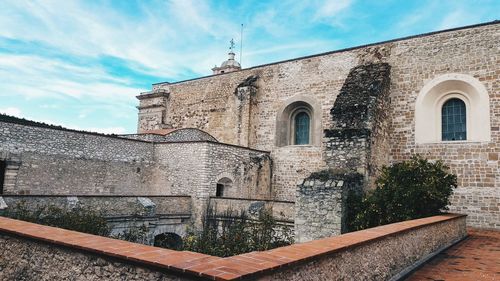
{"x": 380, "y": 253}
{"x": 282, "y": 211}
{"x": 110, "y": 206}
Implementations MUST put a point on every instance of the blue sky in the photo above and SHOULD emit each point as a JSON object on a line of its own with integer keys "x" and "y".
{"x": 80, "y": 64}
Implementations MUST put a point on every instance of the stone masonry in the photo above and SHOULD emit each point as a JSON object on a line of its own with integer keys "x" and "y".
{"x": 237, "y": 126}
{"x": 209, "y": 104}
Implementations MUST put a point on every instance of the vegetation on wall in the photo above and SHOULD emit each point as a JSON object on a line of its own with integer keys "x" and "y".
{"x": 226, "y": 234}
{"x": 408, "y": 190}
{"x": 80, "y": 218}
{"x": 234, "y": 233}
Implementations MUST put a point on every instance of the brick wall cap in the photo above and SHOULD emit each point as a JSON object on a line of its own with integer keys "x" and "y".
{"x": 215, "y": 268}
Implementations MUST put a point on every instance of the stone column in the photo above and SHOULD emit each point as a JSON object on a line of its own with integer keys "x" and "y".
{"x": 152, "y": 110}
{"x": 244, "y": 105}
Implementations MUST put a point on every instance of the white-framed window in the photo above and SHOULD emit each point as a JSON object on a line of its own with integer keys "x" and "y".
{"x": 452, "y": 108}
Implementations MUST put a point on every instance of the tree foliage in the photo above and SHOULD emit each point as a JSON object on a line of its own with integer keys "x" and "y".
{"x": 230, "y": 233}
{"x": 408, "y": 190}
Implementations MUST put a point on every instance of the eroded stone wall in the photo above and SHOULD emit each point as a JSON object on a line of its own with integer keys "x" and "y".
{"x": 320, "y": 207}
{"x": 22, "y": 259}
{"x": 57, "y": 161}
{"x": 381, "y": 259}
{"x": 282, "y": 211}
{"x": 357, "y": 140}
{"x": 209, "y": 103}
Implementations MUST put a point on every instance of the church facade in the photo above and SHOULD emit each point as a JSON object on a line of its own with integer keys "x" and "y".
{"x": 440, "y": 100}
{"x": 296, "y": 135}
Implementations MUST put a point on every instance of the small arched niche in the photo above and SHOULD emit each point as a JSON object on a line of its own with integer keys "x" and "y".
{"x": 299, "y": 122}
{"x": 469, "y": 96}
{"x": 222, "y": 187}
{"x": 168, "y": 240}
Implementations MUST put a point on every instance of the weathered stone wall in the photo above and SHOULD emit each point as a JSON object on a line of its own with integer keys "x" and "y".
{"x": 196, "y": 167}
{"x": 59, "y": 174}
{"x": 22, "y": 259}
{"x": 30, "y": 251}
{"x": 17, "y": 139}
{"x": 49, "y": 161}
{"x": 320, "y": 208}
{"x": 180, "y": 135}
{"x": 157, "y": 214}
{"x": 56, "y": 161}
{"x": 188, "y": 134}
{"x": 108, "y": 205}
{"x": 359, "y": 122}
{"x": 209, "y": 103}
{"x": 282, "y": 211}
{"x": 377, "y": 260}
{"x": 415, "y": 62}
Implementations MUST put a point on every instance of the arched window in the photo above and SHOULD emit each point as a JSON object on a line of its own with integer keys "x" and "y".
{"x": 302, "y": 123}
{"x": 222, "y": 187}
{"x": 298, "y": 122}
{"x": 453, "y": 120}
{"x": 452, "y": 107}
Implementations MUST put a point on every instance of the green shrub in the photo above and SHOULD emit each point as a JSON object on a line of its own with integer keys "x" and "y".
{"x": 408, "y": 190}
{"x": 134, "y": 233}
{"x": 232, "y": 233}
{"x": 80, "y": 219}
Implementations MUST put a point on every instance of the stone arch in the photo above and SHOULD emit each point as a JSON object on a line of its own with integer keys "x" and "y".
{"x": 435, "y": 93}
{"x": 285, "y": 118}
{"x": 169, "y": 240}
{"x": 179, "y": 229}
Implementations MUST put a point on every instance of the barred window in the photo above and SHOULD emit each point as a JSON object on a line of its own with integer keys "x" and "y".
{"x": 453, "y": 120}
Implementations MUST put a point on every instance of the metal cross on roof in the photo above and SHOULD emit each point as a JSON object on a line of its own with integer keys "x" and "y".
{"x": 231, "y": 46}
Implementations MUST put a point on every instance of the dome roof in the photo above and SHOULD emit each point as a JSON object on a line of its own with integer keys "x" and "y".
{"x": 231, "y": 63}
{"x": 227, "y": 66}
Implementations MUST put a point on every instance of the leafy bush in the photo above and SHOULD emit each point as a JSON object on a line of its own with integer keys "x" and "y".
{"x": 231, "y": 234}
{"x": 134, "y": 233}
{"x": 408, "y": 190}
{"x": 80, "y": 219}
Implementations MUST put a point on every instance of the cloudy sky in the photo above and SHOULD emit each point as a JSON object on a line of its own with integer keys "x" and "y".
{"x": 80, "y": 64}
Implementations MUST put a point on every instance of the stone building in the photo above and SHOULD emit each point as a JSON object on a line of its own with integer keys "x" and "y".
{"x": 301, "y": 132}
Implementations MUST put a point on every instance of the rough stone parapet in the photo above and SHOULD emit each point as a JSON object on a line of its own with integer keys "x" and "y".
{"x": 375, "y": 254}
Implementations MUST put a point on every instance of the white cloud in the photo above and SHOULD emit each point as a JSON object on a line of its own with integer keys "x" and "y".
{"x": 12, "y": 111}
{"x": 331, "y": 8}
{"x": 457, "y": 18}
{"x": 105, "y": 130}
{"x": 158, "y": 40}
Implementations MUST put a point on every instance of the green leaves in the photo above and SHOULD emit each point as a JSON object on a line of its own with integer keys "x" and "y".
{"x": 80, "y": 219}
{"x": 408, "y": 190}
{"x": 232, "y": 233}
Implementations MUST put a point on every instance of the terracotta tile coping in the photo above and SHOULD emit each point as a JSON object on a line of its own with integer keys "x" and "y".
{"x": 210, "y": 267}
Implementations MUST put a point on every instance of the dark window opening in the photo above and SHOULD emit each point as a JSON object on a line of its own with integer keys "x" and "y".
{"x": 168, "y": 240}
{"x": 3, "y": 166}
{"x": 220, "y": 190}
{"x": 454, "y": 120}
